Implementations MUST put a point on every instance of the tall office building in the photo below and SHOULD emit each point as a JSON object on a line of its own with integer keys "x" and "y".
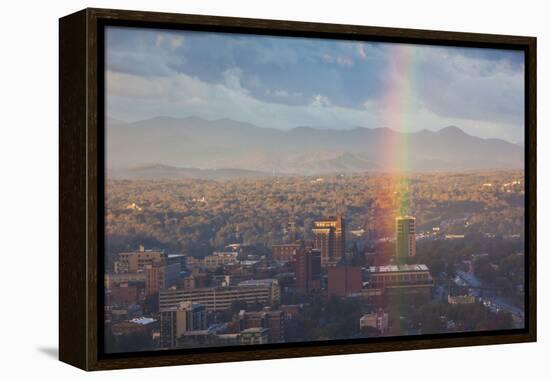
{"x": 158, "y": 277}
{"x": 292, "y": 233}
{"x": 405, "y": 239}
{"x": 330, "y": 239}
{"x": 307, "y": 270}
{"x": 174, "y": 322}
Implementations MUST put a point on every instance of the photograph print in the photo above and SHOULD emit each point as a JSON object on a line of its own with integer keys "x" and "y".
{"x": 274, "y": 190}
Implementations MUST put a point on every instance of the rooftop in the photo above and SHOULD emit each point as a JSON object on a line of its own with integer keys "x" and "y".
{"x": 232, "y": 245}
{"x": 146, "y": 251}
{"x": 254, "y": 330}
{"x": 203, "y": 332}
{"x": 228, "y": 336}
{"x": 398, "y": 268}
{"x": 258, "y": 282}
{"x": 142, "y": 320}
{"x": 405, "y": 218}
{"x": 232, "y": 253}
{"x": 248, "y": 262}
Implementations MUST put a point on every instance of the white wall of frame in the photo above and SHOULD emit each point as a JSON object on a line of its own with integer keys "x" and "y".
{"x": 28, "y": 211}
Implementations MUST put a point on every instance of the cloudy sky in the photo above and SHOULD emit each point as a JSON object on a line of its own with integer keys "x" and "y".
{"x": 281, "y": 82}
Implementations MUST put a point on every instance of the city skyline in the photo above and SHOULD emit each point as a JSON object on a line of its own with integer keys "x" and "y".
{"x": 221, "y": 299}
{"x": 264, "y": 189}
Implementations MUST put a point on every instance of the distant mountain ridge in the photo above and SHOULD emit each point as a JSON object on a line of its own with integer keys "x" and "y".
{"x": 160, "y": 171}
{"x": 194, "y": 147}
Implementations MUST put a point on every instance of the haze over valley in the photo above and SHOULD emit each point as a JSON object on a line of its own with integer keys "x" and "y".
{"x": 192, "y": 147}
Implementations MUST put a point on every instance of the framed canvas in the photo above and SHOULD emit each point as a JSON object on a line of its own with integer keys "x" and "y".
{"x": 240, "y": 189}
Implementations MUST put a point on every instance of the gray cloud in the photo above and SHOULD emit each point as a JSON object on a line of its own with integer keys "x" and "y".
{"x": 285, "y": 82}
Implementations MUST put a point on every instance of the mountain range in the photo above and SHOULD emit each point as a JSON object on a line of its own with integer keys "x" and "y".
{"x": 164, "y": 147}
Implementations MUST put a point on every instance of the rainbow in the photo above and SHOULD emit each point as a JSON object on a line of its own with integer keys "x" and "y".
{"x": 393, "y": 197}
{"x": 396, "y": 106}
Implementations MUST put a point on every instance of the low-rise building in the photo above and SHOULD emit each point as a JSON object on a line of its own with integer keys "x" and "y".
{"x": 122, "y": 293}
{"x": 344, "y": 280}
{"x": 461, "y": 299}
{"x": 401, "y": 279}
{"x": 285, "y": 252}
{"x": 254, "y": 336}
{"x": 134, "y": 261}
{"x": 212, "y": 261}
{"x": 378, "y": 321}
{"x": 138, "y": 325}
{"x": 221, "y": 298}
{"x": 272, "y": 284}
{"x": 136, "y": 278}
{"x": 220, "y": 258}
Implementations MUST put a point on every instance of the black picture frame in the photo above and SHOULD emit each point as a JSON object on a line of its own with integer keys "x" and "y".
{"x": 81, "y": 197}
